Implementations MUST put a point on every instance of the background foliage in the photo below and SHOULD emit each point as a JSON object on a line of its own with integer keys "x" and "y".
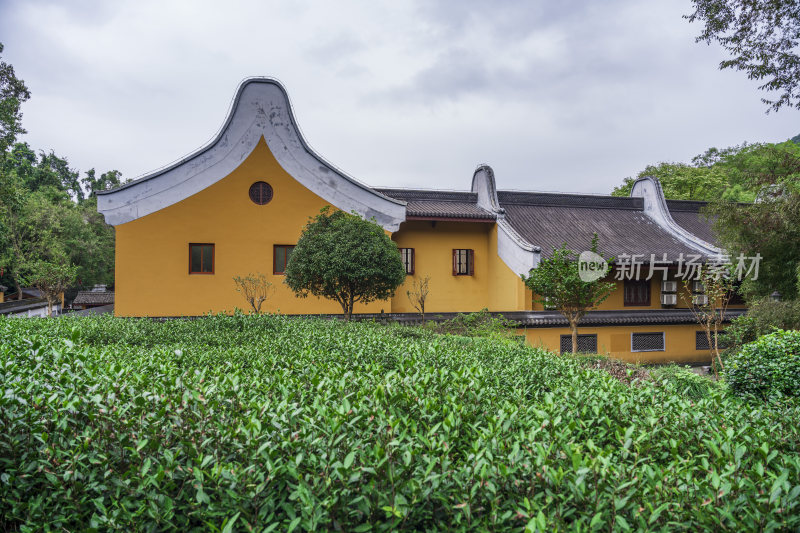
{"x": 766, "y": 177}
{"x": 48, "y": 213}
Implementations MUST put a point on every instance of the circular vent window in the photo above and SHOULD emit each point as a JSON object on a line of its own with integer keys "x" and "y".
{"x": 261, "y": 192}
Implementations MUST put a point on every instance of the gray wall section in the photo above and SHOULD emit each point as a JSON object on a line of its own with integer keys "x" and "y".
{"x": 655, "y": 207}
{"x": 517, "y": 253}
{"x": 261, "y": 108}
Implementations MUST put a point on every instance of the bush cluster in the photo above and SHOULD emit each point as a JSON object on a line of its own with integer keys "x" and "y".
{"x": 274, "y": 424}
{"x": 478, "y": 324}
{"x": 767, "y": 367}
{"x": 763, "y": 317}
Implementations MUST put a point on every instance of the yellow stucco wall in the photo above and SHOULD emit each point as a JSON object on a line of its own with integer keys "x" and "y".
{"x": 507, "y": 292}
{"x": 615, "y": 341}
{"x": 152, "y": 252}
{"x": 616, "y": 300}
{"x": 433, "y": 244}
{"x": 152, "y": 259}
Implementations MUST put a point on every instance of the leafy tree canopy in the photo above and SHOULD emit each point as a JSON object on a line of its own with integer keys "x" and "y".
{"x": 49, "y": 222}
{"x": 556, "y": 282}
{"x": 771, "y": 225}
{"x": 344, "y": 258}
{"x": 706, "y": 178}
{"x": 763, "y": 39}
{"x": 13, "y": 93}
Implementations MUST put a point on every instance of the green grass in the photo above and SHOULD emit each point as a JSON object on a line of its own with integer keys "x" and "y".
{"x": 269, "y": 423}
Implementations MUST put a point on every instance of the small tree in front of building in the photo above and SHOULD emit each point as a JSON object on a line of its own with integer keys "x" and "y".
{"x": 52, "y": 278}
{"x": 556, "y": 283}
{"x": 710, "y": 305}
{"x": 255, "y": 288}
{"x": 344, "y": 258}
{"x": 418, "y": 294}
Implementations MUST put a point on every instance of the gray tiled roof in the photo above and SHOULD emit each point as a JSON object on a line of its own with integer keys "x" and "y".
{"x": 99, "y": 310}
{"x": 544, "y": 319}
{"x": 443, "y": 204}
{"x": 93, "y": 298}
{"x": 688, "y": 216}
{"x": 550, "y": 219}
{"x": 554, "y": 319}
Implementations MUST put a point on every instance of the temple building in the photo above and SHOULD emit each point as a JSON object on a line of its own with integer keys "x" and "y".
{"x": 239, "y": 204}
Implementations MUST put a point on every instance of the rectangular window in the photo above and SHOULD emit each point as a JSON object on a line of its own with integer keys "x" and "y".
{"x": 463, "y": 262}
{"x": 201, "y": 258}
{"x": 586, "y": 343}
{"x": 637, "y": 292}
{"x": 647, "y": 342}
{"x": 407, "y": 256}
{"x": 701, "y": 341}
{"x": 281, "y": 254}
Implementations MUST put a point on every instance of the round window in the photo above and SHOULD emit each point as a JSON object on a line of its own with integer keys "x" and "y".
{"x": 261, "y": 192}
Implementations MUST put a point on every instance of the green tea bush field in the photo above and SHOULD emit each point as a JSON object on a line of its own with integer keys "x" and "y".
{"x": 269, "y": 423}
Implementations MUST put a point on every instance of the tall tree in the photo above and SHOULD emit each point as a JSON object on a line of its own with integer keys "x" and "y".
{"x": 344, "y": 258}
{"x": 770, "y": 226}
{"x": 556, "y": 282}
{"x": 52, "y": 277}
{"x": 763, "y": 39}
{"x": 13, "y": 93}
{"x": 705, "y": 178}
{"x": 48, "y": 225}
{"x": 107, "y": 180}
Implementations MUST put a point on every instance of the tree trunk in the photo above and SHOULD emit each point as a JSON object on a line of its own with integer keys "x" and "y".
{"x": 19, "y": 289}
{"x": 49, "y": 307}
{"x": 716, "y": 348}
{"x": 574, "y": 327}
{"x": 350, "y": 304}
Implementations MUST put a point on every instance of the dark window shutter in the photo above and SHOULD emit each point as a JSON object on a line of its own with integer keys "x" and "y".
{"x": 471, "y": 261}
{"x": 413, "y": 262}
{"x": 455, "y": 262}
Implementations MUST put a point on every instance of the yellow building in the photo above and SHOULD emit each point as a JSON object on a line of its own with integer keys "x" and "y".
{"x": 238, "y": 205}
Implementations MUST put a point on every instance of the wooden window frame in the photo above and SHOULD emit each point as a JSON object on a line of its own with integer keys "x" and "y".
{"x": 636, "y": 303}
{"x": 275, "y": 258}
{"x": 213, "y": 257}
{"x": 470, "y": 262}
{"x": 410, "y": 266}
{"x": 262, "y": 185}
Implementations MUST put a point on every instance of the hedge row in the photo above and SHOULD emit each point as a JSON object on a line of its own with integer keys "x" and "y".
{"x": 274, "y": 424}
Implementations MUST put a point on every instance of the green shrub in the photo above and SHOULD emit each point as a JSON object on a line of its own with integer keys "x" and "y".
{"x": 763, "y": 317}
{"x": 479, "y": 324}
{"x": 767, "y": 367}
{"x": 684, "y": 381}
{"x": 269, "y": 423}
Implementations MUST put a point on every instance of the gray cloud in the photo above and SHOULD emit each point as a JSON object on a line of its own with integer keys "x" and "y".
{"x": 571, "y": 95}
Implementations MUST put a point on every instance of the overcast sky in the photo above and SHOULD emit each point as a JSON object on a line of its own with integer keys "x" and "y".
{"x": 555, "y": 95}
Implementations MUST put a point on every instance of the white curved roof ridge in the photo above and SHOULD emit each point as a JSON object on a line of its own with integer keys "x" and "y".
{"x": 517, "y": 253}
{"x": 655, "y": 206}
{"x": 260, "y": 108}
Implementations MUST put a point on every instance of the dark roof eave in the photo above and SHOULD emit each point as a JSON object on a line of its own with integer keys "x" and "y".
{"x": 439, "y": 218}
